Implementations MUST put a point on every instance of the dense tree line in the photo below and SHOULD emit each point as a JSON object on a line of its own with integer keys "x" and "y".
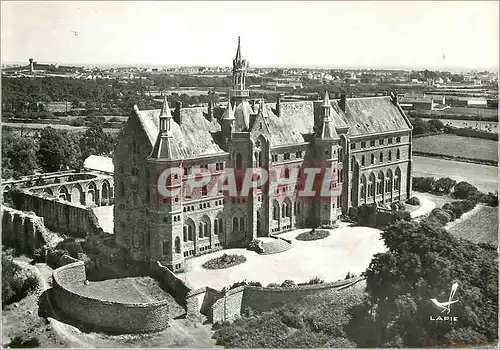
{"x": 53, "y": 150}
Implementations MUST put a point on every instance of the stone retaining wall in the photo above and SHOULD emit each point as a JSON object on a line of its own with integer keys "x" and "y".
{"x": 105, "y": 315}
{"x": 234, "y": 301}
{"x": 21, "y": 230}
{"x": 171, "y": 283}
{"x": 60, "y": 216}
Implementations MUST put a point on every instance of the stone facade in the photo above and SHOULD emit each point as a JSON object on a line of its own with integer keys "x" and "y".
{"x": 21, "y": 230}
{"x": 365, "y": 141}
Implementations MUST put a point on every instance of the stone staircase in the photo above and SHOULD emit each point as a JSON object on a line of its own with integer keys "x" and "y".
{"x": 275, "y": 246}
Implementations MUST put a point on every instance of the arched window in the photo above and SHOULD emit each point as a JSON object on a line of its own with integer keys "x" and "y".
{"x": 380, "y": 183}
{"x": 353, "y": 160}
{"x": 177, "y": 245}
{"x": 242, "y": 224}
{"x": 216, "y": 226}
{"x": 235, "y": 224}
{"x": 381, "y": 158}
{"x": 276, "y": 211}
{"x": 363, "y": 160}
{"x": 200, "y": 230}
{"x": 184, "y": 233}
{"x": 372, "y": 159}
{"x": 398, "y": 154}
{"x": 283, "y": 210}
{"x": 388, "y": 181}
{"x": 371, "y": 185}
{"x": 260, "y": 159}
{"x": 362, "y": 187}
{"x": 397, "y": 180}
{"x": 221, "y": 227}
{"x": 287, "y": 173}
{"x": 239, "y": 161}
{"x": 390, "y": 156}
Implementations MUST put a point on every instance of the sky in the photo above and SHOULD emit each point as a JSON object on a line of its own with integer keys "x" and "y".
{"x": 330, "y": 34}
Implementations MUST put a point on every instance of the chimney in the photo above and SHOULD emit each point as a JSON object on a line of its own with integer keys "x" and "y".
{"x": 394, "y": 98}
{"x": 278, "y": 105}
{"x": 177, "y": 112}
{"x": 210, "y": 116}
{"x": 352, "y": 94}
{"x": 31, "y": 65}
{"x": 342, "y": 102}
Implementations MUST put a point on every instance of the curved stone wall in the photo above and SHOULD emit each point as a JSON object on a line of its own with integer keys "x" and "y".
{"x": 106, "y": 315}
{"x": 234, "y": 301}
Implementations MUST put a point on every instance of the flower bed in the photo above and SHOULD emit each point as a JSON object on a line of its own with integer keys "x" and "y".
{"x": 313, "y": 235}
{"x": 224, "y": 261}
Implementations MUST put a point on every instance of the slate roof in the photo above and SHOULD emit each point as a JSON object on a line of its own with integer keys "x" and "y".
{"x": 371, "y": 115}
{"x": 197, "y": 136}
{"x": 192, "y": 138}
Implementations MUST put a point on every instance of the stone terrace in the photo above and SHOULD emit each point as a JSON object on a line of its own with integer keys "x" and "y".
{"x": 347, "y": 249}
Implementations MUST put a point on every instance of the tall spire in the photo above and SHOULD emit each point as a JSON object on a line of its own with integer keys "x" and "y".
{"x": 165, "y": 147}
{"x": 165, "y": 110}
{"x": 238, "y": 51}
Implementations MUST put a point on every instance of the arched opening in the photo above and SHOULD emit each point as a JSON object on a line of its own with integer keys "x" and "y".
{"x": 63, "y": 193}
{"x": 363, "y": 160}
{"x": 397, "y": 180}
{"x": 77, "y": 194}
{"x": 242, "y": 224}
{"x": 362, "y": 187}
{"x": 371, "y": 185}
{"x": 288, "y": 207}
{"x": 276, "y": 210}
{"x": 206, "y": 226}
{"x": 184, "y": 233}
{"x": 105, "y": 190}
{"x": 189, "y": 227}
{"x": 388, "y": 181}
{"x": 91, "y": 193}
{"x": 235, "y": 224}
{"x": 380, "y": 183}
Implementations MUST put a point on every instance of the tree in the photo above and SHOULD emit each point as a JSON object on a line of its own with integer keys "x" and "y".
{"x": 58, "y": 150}
{"x": 419, "y": 126}
{"x": 435, "y": 125}
{"x": 96, "y": 142}
{"x": 422, "y": 262}
{"x": 18, "y": 155}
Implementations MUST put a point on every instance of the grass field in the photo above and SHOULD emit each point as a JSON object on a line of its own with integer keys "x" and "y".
{"x": 484, "y": 177}
{"x": 481, "y": 226}
{"x": 479, "y": 125}
{"x": 457, "y": 146}
{"x": 126, "y": 290}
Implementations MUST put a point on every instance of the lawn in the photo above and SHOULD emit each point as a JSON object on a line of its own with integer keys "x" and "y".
{"x": 457, "y": 146}
{"x": 481, "y": 226}
{"x": 484, "y": 177}
{"x": 126, "y": 290}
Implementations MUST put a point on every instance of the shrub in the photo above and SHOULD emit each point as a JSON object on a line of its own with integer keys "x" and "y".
{"x": 397, "y": 206}
{"x": 24, "y": 342}
{"x": 459, "y": 207}
{"x": 16, "y": 282}
{"x": 464, "y": 190}
{"x": 366, "y": 214}
{"x": 423, "y": 184}
{"x": 312, "y": 235}
{"x": 413, "y": 201}
{"x": 402, "y": 215}
{"x": 441, "y": 215}
{"x": 71, "y": 247}
{"x": 288, "y": 283}
{"x": 292, "y": 320}
{"x": 444, "y": 185}
{"x": 224, "y": 261}
{"x": 255, "y": 245}
{"x": 273, "y": 285}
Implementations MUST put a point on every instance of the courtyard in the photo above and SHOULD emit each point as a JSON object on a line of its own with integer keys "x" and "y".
{"x": 346, "y": 249}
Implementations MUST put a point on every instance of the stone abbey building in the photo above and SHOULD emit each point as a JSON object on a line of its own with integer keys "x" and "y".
{"x": 366, "y": 141}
